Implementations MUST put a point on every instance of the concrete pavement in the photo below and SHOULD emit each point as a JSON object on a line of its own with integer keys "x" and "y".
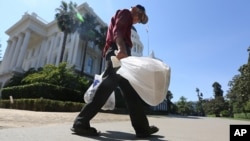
{"x": 171, "y": 129}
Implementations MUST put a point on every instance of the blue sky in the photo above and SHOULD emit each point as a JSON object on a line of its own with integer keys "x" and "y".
{"x": 203, "y": 41}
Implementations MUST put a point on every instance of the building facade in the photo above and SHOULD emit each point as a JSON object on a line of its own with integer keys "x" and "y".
{"x": 34, "y": 43}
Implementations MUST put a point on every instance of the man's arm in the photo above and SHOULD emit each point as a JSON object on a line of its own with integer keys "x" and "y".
{"x": 122, "y": 52}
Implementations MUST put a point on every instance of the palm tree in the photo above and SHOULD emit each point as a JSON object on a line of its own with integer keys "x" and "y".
{"x": 169, "y": 103}
{"x": 87, "y": 32}
{"x": 101, "y": 41}
{"x": 0, "y": 51}
{"x": 200, "y": 102}
{"x": 66, "y": 21}
{"x": 101, "y": 37}
{"x": 249, "y": 54}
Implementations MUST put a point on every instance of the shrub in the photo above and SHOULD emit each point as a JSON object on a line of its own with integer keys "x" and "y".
{"x": 242, "y": 115}
{"x": 225, "y": 113}
{"x": 42, "y": 105}
{"x": 42, "y": 90}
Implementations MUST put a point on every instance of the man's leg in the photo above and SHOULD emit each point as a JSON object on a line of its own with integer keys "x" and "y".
{"x": 106, "y": 87}
{"x": 136, "y": 110}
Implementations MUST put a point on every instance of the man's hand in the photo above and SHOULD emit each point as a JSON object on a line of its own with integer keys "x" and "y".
{"x": 122, "y": 52}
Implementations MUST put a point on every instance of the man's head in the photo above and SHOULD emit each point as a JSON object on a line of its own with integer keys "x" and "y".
{"x": 140, "y": 12}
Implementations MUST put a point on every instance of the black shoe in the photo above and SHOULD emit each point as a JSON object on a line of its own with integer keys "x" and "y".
{"x": 85, "y": 131}
{"x": 151, "y": 130}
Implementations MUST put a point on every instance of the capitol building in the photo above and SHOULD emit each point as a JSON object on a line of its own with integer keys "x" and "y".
{"x": 34, "y": 43}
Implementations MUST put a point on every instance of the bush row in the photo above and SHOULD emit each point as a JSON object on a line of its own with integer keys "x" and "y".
{"x": 42, "y": 90}
{"x": 42, "y": 105}
{"x": 242, "y": 116}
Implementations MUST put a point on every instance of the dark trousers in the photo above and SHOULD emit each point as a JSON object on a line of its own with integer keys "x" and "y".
{"x": 110, "y": 82}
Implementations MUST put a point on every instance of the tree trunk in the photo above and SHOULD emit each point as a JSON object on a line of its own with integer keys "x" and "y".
{"x": 84, "y": 56}
{"x": 100, "y": 70}
{"x": 63, "y": 46}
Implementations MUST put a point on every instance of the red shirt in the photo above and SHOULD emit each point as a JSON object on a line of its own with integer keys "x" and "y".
{"x": 120, "y": 26}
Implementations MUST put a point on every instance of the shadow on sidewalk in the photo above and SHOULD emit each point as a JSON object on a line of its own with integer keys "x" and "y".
{"x": 121, "y": 136}
{"x": 188, "y": 117}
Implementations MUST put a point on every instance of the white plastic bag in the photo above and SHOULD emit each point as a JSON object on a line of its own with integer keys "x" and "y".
{"x": 148, "y": 76}
{"x": 89, "y": 94}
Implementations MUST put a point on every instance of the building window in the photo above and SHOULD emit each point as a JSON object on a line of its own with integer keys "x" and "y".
{"x": 45, "y": 61}
{"x": 139, "y": 49}
{"x": 29, "y": 54}
{"x": 55, "y": 60}
{"x": 65, "y": 58}
{"x": 91, "y": 44}
{"x": 89, "y": 66}
{"x": 32, "y": 52}
{"x": 49, "y": 43}
{"x": 134, "y": 49}
{"x": 69, "y": 38}
{"x": 39, "y": 49}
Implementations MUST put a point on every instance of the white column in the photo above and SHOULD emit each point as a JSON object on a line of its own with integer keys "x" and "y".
{"x": 58, "y": 48}
{"x": 75, "y": 49}
{"x": 17, "y": 50}
{"x": 41, "y": 54}
{"x": 7, "y": 51}
{"x": 5, "y": 61}
{"x": 51, "y": 50}
{"x": 71, "y": 49}
{"x": 23, "y": 49}
{"x": 14, "y": 52}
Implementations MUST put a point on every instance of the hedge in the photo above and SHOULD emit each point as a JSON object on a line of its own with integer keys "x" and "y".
{"x": 42, "y": 105}
{"x": 42, "y": 90}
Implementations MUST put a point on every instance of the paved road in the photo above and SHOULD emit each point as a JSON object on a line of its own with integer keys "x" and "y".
{"x": 171, "y": 129}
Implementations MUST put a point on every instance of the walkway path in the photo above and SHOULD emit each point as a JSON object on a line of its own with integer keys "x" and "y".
{"x": 113, "y": 127}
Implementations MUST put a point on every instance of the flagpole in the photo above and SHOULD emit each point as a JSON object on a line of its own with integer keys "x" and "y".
{"x": 148, "y": 39}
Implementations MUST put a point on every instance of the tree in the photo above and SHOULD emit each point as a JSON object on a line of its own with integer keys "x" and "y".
{"x": 182, "y": 105}
{"x": 100, "y": 40}
{"x": 87, "y": 32}
{"x": 236, "y": 100}
{"x": 200, "y": 109}
{"x": 249, "y": 54}
{"x": 218, "y": 102}
{"x": 169, "y": 102}
{"x": 239, "y": 92}
{"x": 0, "y": 50}
{"x": 62, "y": 76}
{"x": 66, "y": 21}
{"x": 17, "y": 78}
{"x": 208, "y": 106}
{"x": 218, "y": 92}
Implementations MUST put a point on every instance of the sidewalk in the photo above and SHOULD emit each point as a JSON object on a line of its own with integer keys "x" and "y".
{"x": 171, "y": 129}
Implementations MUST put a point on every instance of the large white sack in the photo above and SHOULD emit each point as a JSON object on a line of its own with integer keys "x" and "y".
{"x": 148, "y": 76}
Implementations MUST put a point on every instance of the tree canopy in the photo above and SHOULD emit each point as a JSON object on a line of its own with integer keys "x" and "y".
{"x": 61, "y": 76}
{"x": 67, "y": 21}
{"x": 239, "y": 92}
